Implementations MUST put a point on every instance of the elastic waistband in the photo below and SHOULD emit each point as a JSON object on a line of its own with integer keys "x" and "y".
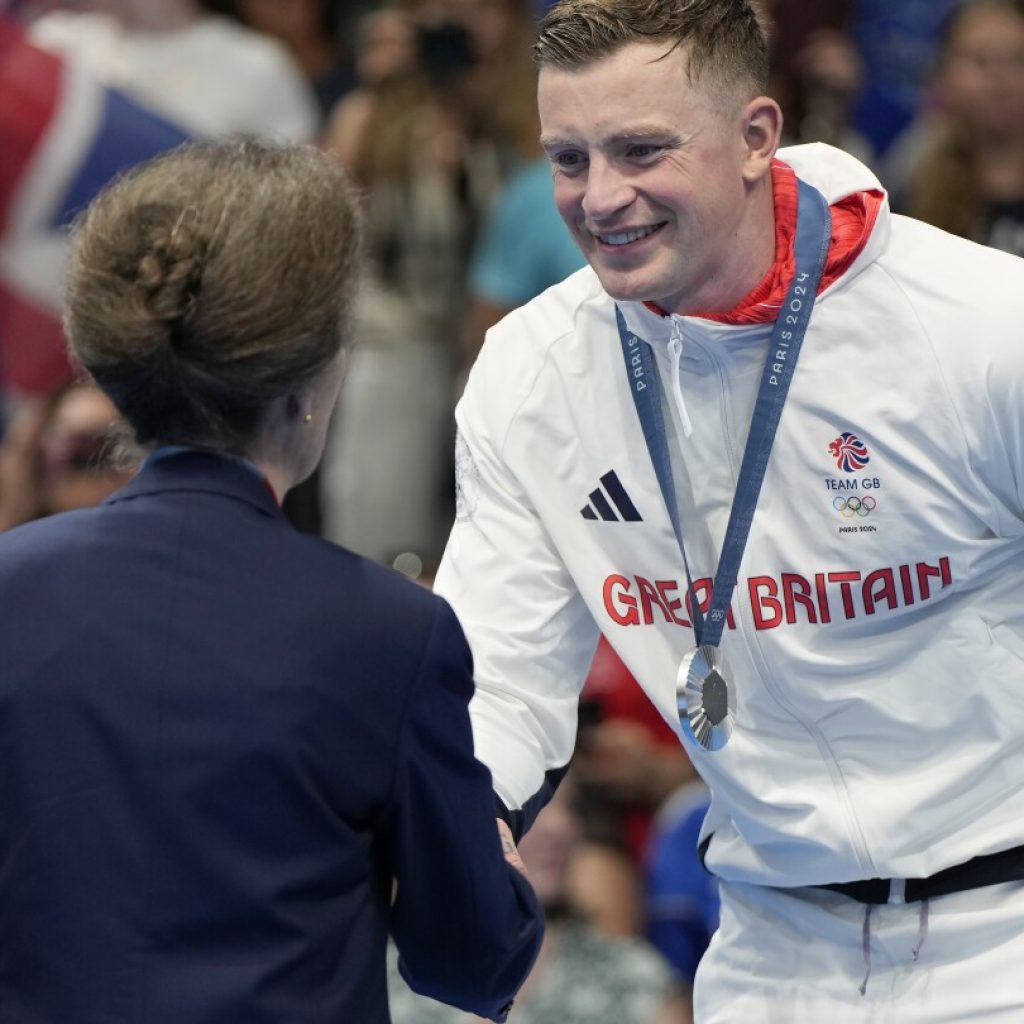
{"x": 990, "y": 869}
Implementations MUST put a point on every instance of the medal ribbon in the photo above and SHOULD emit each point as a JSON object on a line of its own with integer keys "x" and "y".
{"x": 813, "y": 233}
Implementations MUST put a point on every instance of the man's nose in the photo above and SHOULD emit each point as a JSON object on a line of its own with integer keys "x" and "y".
{"x": 608, "y": 191}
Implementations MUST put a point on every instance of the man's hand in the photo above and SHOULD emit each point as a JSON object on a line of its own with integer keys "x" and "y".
{"x": 508, "y": 847}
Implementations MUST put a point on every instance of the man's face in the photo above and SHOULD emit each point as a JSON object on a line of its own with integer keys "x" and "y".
{"x": 649, "y": 176}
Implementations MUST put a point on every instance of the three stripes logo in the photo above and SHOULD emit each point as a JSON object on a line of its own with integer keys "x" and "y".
{"x": 599, "y": 507}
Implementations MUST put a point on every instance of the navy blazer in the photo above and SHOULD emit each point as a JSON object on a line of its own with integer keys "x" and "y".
{"x": 233, "y": 757}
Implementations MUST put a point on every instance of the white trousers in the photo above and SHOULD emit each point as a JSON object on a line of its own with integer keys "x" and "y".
{"x": 802, "y": 956}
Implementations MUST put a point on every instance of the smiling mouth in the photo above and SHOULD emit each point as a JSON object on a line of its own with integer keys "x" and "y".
{"x": 628, "y": 237}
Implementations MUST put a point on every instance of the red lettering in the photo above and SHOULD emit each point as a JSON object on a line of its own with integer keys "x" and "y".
{"x": 947, "y": 573}
{"x": 924, "y": 572}
{"x": 617, "y": 598}
{"x": 669, "y": 603}
{"x": 767, "y": 609}
{"x": 649, "y": 598}
{"x": 797, "y": 590}
{"x": 792, "y": 599}
{"x": 844, "y": 579}
{"x": 823, "y": 609}
{"x": 646, "y": 589}
{"x": 908, "y": 587}
{"x": 886, "y": 592}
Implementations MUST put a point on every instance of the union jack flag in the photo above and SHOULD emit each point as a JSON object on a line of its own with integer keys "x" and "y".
{"x": 63, "y": 136}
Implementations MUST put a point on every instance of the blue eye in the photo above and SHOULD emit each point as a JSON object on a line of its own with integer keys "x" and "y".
{"x": 568, "y": 161}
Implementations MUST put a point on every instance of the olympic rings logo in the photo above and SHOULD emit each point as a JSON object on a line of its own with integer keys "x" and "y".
{"x": 854, "y": 506}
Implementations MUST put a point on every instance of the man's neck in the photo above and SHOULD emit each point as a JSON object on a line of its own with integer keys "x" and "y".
{"x": 755, "y": 252}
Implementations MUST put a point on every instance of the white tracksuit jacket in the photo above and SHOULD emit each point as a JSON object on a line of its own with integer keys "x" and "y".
{"x": 876, "y": 646}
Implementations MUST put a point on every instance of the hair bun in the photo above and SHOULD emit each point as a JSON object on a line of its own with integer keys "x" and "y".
{"x": 209, "y": 283}
{"x": 170, "y": 267}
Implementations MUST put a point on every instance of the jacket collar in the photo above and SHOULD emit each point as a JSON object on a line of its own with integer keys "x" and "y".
{"x": 192, "y": 469}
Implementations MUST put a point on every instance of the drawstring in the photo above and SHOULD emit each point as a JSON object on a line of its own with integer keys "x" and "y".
{"x": 675, "y": 348}
{"x": 866, "y": 947}
{"x": 922, "y": 935}
{"x": 922, "y": 931}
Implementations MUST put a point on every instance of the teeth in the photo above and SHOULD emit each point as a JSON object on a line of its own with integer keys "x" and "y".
{"x": 627, "y": 236}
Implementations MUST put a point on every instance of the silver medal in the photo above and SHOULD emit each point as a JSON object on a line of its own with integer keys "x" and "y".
{"x": 705, "y": 698}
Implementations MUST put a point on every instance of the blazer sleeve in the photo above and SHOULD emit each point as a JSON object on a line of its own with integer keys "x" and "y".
{"x": 467, "y": 925}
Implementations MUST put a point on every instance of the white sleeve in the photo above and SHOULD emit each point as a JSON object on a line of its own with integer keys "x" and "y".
{"x": 531, "y": 634}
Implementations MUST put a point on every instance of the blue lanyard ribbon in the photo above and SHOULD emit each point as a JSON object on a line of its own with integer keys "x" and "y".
{"x": 813, "y": 233}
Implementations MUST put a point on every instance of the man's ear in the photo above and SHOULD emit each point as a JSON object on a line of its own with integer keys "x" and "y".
{"x": 762, "y": 133}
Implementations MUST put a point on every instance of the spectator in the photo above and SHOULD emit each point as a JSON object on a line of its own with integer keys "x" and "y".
{"x": 522, "y": 249}
{"x": 897, "y": 42}
{"x": 970, "y": 179}
{"x": 209, "y": 74}
{"x": 60, "y": 453}
{"x": 438, "y": 118}
{"x": 498, "y": 91}
{"x": 628, "y": 760}
{"x": 817, "y": 73}
{"x": 309, "y": 30}
{"x": 827, "y": 80}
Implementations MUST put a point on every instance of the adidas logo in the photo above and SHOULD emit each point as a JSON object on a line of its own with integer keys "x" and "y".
{"x": 600, "y": 508}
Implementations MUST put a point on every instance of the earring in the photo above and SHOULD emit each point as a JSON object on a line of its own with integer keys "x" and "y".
{"x": 308, "y": 417}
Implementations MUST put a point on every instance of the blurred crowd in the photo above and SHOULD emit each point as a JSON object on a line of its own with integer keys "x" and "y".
{"x": 429, "y": 105}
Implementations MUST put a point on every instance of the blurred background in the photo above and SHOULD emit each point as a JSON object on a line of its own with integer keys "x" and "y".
{"x": 429, "y": 105}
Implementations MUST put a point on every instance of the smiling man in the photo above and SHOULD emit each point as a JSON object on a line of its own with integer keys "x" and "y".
{"x": 673, "y": 202}
{"x": 769, "y": 443}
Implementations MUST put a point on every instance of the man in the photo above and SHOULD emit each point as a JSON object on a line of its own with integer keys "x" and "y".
{"x": 855, "y": 701}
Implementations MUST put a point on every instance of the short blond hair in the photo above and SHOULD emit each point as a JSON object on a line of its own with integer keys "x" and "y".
{"x": 725, "y": 40}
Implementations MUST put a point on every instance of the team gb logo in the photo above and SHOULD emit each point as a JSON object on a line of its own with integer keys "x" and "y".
{"x": 850, "y": 452}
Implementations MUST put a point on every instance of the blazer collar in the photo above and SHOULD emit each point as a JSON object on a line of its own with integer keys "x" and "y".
{"x": 190, "y": 469}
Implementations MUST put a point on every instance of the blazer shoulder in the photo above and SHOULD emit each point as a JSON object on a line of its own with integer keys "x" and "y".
{"x": 391, "y": 607}
{"x": 46, "y": 538}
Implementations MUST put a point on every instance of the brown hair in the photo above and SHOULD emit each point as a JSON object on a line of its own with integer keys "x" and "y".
{"x": 725, "y": 40}
{"x": 210, "y": 281}
{"x": 947, "y": 190}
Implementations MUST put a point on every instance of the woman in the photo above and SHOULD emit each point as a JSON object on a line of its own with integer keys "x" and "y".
{"x": 232, "y": 756}
{"x": 969, "y": 176}
{"x": 58, "y": 454}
